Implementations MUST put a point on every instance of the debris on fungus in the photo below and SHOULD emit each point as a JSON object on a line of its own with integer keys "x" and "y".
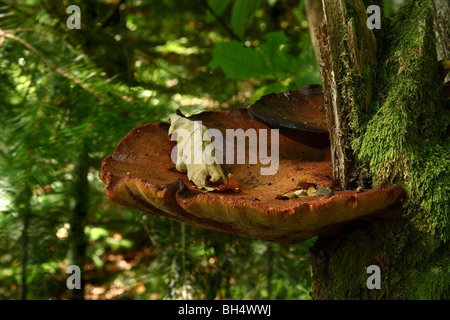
{"x": 139, "y": 175}
{"x": 231, "y": 184}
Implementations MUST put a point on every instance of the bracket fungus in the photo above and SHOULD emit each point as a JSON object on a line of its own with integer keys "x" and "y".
{"x": 140, "y": 175}
{"x": 299, "y": 114}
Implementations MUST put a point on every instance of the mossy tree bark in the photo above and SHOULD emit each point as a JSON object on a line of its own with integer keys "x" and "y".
{"x": 388, "y": 125}
{"x": 347, "y": 62}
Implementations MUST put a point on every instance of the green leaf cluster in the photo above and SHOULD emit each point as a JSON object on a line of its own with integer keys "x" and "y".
{"x": 269, "y": 61}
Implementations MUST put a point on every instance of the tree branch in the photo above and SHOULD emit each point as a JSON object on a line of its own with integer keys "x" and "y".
{"x": 49, "y": 64}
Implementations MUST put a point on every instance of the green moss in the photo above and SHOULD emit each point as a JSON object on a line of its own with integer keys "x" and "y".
{"x": 355, "y": 89}
{"x": 430, "y": 189}
{"x": 402, "y": 139}
{"x": 404, "y": 142}
{"x": 430, "y": 281}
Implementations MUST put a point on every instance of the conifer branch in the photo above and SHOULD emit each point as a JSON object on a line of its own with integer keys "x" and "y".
{"x": 65, "y": 74}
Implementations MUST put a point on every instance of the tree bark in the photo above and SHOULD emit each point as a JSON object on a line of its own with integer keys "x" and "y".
{"x": 441, "y": 14}
{"x": 314, "y": 14}
{"x": 388, "y": 126}
{"x": 347, "y": 55}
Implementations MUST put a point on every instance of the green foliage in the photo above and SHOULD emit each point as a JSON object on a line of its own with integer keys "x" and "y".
{"x": 218, "y": 7}
{"x": 274, "y": 62}
{"x": 67, "y": 97}
{"x": 242, "y": 14}
{"x": 236, "y": 61}
{"x": 269, "y": 61}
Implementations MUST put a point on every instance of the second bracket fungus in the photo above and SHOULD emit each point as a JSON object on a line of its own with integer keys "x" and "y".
{"x": 298, "y": 114}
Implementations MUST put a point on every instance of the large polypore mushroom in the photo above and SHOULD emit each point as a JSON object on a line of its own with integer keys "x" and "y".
{"x": 298, "y": 114}
{"x": 140, "y": 175}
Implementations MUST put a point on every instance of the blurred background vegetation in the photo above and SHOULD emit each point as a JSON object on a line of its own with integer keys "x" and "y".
{"x": 67, "y": 97}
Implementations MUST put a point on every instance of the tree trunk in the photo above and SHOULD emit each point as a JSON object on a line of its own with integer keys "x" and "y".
{"x": 387, "y": 126}
{"x": 441, "y": 14}
{"x": 347, "y": 61}
{"x": 314, "y": 14}
{"x": 78, "y": 219}
{"x": 25, "y": 212}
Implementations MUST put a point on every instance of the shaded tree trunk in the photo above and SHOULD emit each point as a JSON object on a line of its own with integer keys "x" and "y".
{"x": 387, "y": 126}
{"x": 78, "y": 219}
{"x": 25, "y": 213}
{"x": 314, "y": 14}
{"x": 215, "y": 279}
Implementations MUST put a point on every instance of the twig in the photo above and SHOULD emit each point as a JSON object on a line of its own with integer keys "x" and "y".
{"x": 220, "y": 20}
{"x": 25, "y": 30}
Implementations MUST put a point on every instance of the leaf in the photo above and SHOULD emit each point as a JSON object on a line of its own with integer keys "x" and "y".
{"x": 303, "y": 189}
{"x": 305, "y": 68}
{"x": 325, "y": 193}
{"x": 231, "y": 184}
{"x": 303, "y": 184}
{"x": 291, "y": 194}
{"x": 269, "y": 60}
{"x": 238, "y": 62}
{"x": 271, "y": 49}
{"x": 311, "y": 191}
{"x": 242, "y": 14}
{"x": 218, "y": 6}
{"x": 196, "y": 153}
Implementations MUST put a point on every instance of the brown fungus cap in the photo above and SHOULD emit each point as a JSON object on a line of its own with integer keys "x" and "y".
{"x": 298, "y": 114}
{"x": 140, "y": 175}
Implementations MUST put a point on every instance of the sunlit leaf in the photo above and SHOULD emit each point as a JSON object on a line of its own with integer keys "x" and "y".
{"x": 238, "y": 62}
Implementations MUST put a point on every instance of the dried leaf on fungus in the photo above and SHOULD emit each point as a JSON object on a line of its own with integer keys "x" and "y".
{"x": 303, "y": 189}
{"x": 311, "y": 191}
{"x": 231, "y": 184}
{"x": 324, "y": 193}
{"x": 304, "y": 184}
{"x": 196, "y": 153}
